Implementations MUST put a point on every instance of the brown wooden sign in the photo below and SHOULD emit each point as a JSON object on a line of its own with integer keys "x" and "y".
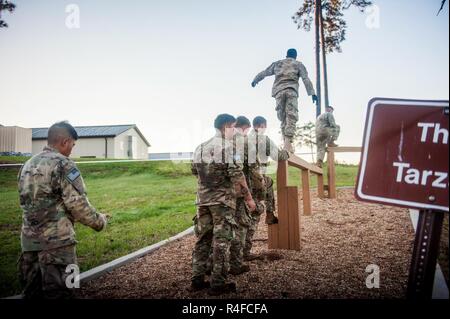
{"x": 404, "y": 160}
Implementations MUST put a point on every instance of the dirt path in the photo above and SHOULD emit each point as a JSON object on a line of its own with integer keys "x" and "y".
{"x": 339, "y": 240}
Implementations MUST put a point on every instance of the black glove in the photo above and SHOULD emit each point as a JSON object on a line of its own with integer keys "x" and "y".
{"x": 254, "y": 84}
{"x": 315, "y": 99}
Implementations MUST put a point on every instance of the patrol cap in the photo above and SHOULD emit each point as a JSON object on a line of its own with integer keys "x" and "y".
{"x": 330, "y": 107}
{"x": 291, "y": 53}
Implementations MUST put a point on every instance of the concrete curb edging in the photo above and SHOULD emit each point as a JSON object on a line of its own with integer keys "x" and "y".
{"x": 121, "y": 261}
{"x": 105, "y": 268}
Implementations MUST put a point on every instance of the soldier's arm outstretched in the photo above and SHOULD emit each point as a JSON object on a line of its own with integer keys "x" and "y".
{"x": 303, "y": 73}
{"x": 267, "y": 72}
{"x": 76, "y": 201}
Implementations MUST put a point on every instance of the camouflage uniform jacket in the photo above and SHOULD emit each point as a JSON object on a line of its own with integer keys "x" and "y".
{"x": 265, "y": 148}
{"x": 218, "y": 172}
{"x": 52, "y": 197}
{"x": 245, "y": 155}
{"x": 287, "y": 73}
{"x": 241, "y": 156}
{"x": 325, "y": 120}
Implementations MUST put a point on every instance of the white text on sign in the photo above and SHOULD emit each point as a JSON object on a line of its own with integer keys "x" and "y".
{"x": 415, "y": 176}
{"x": 437, "y": 132}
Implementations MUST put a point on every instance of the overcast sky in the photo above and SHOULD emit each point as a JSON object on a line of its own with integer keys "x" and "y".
{"x": 171, "y": 66}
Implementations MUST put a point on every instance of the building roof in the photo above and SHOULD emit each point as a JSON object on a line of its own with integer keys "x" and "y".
{"x": 41, "y": 133}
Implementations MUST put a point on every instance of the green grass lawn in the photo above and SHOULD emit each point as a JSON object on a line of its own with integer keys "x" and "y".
{"x": 148, "y": 202}
{"x": 22, "y": 159}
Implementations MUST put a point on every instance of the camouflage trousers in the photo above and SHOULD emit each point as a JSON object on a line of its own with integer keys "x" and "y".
{"x": 243, "y": 221}
{"x": 270, "y": 197}
{"x": 324, "y": 137}
{"x": 214, "y": 227}
{"x": 262, "y": 190}
{"x": 250, "y": 234}
{"x": 43, "y": 273}
{"x": 265, "y": 194}
{"x": 287, "y": 111}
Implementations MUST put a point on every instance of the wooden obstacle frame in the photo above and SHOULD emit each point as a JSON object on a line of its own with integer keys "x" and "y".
{"x": 286, "y": 234}
{"x": 331, "y": 169}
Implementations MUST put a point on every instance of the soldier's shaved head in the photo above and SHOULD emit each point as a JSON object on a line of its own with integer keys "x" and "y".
{"x": 222, "y": 120}
{"x": 242, "y": 121}
{"x": 258, "y": 121}
{"x": 291, "y": 53}
{"x": 59, "y": 131}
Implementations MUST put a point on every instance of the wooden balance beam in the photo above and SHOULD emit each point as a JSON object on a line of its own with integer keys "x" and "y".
{"x": 286, "y": 234}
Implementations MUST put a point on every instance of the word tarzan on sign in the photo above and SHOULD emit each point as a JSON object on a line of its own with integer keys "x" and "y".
{"x": 410, "y": 175}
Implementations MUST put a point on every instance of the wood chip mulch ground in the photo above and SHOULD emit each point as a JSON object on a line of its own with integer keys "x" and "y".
{"x": 339, "y": 240}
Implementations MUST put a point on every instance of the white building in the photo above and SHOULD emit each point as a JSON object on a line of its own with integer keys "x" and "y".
{"x": 112, "y": 141}
{"x": 15, "y": 139}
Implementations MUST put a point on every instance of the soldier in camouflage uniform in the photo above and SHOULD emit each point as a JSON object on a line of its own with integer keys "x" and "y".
{"x": 214, "y": 224}
{"x": 243, "y": 218}
{"x": 327, "y": 132}
{"x": 285, "y": 91}
{"x": 262, "y": 184}
{"x": 52, "y": 197}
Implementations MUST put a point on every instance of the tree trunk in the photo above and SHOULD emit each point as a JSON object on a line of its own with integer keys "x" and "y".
{"x": 324, "y": 58}
{"x": 317, "y": 23}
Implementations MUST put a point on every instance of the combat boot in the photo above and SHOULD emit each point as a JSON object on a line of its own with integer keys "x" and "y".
{"x": 239, "y": 271}
{"x": 250, "y": 257}
{"x": 332, "y": 144}
{"x": 319, "y": 163}
{"x": 199, "y": 284}
{"x": 224, "y": 289}
{"x": 288, "y": 145}
{"x": 271, "y": 218}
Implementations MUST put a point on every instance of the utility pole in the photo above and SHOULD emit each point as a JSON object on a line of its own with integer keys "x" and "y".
{"x": 318, "y": 9}
{"x": 324, "y": 58}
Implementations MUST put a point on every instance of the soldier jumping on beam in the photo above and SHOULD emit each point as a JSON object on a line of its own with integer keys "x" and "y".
{"x": 285, "y": 91}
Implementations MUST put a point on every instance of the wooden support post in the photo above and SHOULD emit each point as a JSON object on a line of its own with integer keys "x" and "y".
{"x": 283, "y": 218}
{"x": 306, "y": 193}
{"x": 320, "y": 186}
{"x": 294, "y": 218}
{"x": 282, "y": 175}
{"x": 331, "y": 175}
{"x": 278, "y": 233}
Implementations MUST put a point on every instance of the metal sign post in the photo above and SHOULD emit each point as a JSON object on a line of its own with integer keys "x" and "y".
{"x": 425, "y": 253}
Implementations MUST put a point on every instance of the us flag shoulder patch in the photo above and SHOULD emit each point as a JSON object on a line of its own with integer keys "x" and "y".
{"x": 73, "y": 174}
